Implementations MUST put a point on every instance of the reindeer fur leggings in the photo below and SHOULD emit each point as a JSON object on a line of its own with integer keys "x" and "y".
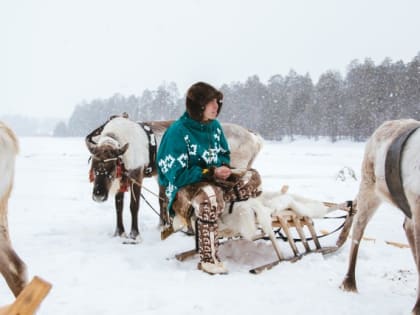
{"x": 207, "y": 203}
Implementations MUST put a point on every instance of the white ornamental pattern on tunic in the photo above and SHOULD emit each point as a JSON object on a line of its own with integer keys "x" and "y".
{"x": 183, "y": 160}
{"x": 210, "y": 156}
{"x": 166, "y": 164}
{"x": 217, "y": 135}
{"x": 192, "y": 148}
{"x": 170, "y": 189}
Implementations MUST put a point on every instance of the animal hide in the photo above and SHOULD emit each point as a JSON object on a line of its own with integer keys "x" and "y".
{"x": 248, "y": 215}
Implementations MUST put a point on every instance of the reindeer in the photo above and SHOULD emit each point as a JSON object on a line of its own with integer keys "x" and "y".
{"x": 124, "y": 151}
{"x": 390, "y": 173}
{"x": 12, "y": 267}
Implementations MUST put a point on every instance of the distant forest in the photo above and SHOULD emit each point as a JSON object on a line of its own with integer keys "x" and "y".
{"x": 337, "y": 107}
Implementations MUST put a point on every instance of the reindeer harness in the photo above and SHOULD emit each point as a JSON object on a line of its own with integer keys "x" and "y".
{"x": 120, "y": 168}
{"x": 149, "y": 169}
{"x": 393, "y": 176}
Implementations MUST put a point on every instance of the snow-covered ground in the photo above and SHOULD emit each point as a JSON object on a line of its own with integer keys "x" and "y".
{"x": 66, "y": 238}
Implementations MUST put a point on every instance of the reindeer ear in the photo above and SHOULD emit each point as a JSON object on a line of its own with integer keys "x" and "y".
{"x": 123, "y": 149}
{"x": 91, "y": 146}
{"x": 92, "y": 149}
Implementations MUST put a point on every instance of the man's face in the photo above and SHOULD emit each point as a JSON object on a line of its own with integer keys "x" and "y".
{"x": 210, "y": 112}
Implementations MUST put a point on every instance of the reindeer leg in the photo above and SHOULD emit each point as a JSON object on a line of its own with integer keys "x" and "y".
{"x": 12, "y": 268}
{"x": 409, "y": 232}
{"x": 119, "y": 205}
{"x": 412, "y": 230}
{"x": 163, "y": 205}
{"x": 134, "y": 208}
{"x": 367, "y": 204}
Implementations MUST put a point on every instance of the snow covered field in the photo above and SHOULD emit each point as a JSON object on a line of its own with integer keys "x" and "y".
{"x": 66, "y": 238}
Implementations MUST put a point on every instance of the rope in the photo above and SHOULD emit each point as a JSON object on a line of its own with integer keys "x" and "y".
{"x": 144, "y": 198}
{"x": 148, "y": 203}
{"x": 140, "y": 185}
{"x": 285, "y": 238}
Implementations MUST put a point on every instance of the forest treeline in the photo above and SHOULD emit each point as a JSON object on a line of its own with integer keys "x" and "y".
{"x": 337, "y": 107}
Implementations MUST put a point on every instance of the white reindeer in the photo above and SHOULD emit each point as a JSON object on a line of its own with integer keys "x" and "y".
{"x": 374, "y": 189}
{"x": 12, "y": 267}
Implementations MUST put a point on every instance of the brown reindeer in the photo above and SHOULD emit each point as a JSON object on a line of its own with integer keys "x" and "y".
{"x": 123, "y": 153}
{"x": 12, "y": 267}
{"x": 390, "y": 173}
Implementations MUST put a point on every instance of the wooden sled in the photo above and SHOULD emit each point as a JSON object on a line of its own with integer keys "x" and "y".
{"x": 288, "y": 220}
{"x": 28, "y": 301}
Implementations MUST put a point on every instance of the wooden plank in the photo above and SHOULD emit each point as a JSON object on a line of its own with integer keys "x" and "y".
{"x": 397, "y": 244}
{"x": 286, "y": 230}
{"x": 324, "y": 251}
{"x": 268, "y": 266}
{"x": 310, "y": 225}
{"x": 298, "y": 225}
{"x": 29, "y": 299}
{"x": 185, "y": 255}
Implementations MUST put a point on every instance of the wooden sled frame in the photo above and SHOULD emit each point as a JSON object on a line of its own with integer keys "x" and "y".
{"x": 289, "y": 219}
{"x": 28, "y": 301}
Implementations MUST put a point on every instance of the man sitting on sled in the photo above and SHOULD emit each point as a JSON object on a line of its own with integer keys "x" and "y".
{"x": 193, "y": 167}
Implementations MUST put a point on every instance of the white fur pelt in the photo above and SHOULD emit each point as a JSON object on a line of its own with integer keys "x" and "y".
{"x": 279, "y": 201}
{"x": 9, "y": 149}
{"x": 247, "y": 216}
{"x": 119, "y": 131}
{"x": 244, "y": 145}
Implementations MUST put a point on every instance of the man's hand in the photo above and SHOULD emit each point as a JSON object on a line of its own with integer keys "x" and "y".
{"x": 222, "y": 172}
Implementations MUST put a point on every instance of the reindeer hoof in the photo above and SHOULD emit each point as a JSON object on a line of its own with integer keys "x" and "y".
{"x": 119, "y": 233}
{"x": 348, "y": 285}
{"x": 135, "y": 235}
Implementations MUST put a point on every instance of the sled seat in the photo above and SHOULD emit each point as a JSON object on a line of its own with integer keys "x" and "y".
{"x": 28, "y": 301}
{"x": 288, "y": 219}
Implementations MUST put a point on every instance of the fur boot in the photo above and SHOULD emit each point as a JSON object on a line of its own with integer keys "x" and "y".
{"x": 208, "y": 205}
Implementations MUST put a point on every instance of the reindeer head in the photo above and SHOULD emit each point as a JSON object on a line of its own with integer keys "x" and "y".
{"x": 105, "y": 161}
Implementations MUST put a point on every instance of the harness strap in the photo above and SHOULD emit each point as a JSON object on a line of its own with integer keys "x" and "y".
{"x": 196, "y": 235}
{"x": 150, "y": 169}
{"x": 393, "y": 176}
{"x": 231, "y": 207}
{"x": 232, "y": 203}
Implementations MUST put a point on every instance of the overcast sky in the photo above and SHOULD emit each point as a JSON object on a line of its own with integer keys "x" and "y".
{"x": 55, "y": 54}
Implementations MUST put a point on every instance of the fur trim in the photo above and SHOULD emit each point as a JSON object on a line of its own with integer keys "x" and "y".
{"x": 9, "y": 147}
{"x": 213, "y": 269}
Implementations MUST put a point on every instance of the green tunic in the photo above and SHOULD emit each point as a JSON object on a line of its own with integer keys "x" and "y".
{"x": 187, "y": 148}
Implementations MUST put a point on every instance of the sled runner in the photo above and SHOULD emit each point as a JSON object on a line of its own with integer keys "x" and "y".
{"x": 28, "y": 301}
{"x": 289, "y": 226}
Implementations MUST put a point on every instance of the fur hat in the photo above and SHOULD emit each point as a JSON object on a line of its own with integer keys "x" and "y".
{"x": 198, "y": 96}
